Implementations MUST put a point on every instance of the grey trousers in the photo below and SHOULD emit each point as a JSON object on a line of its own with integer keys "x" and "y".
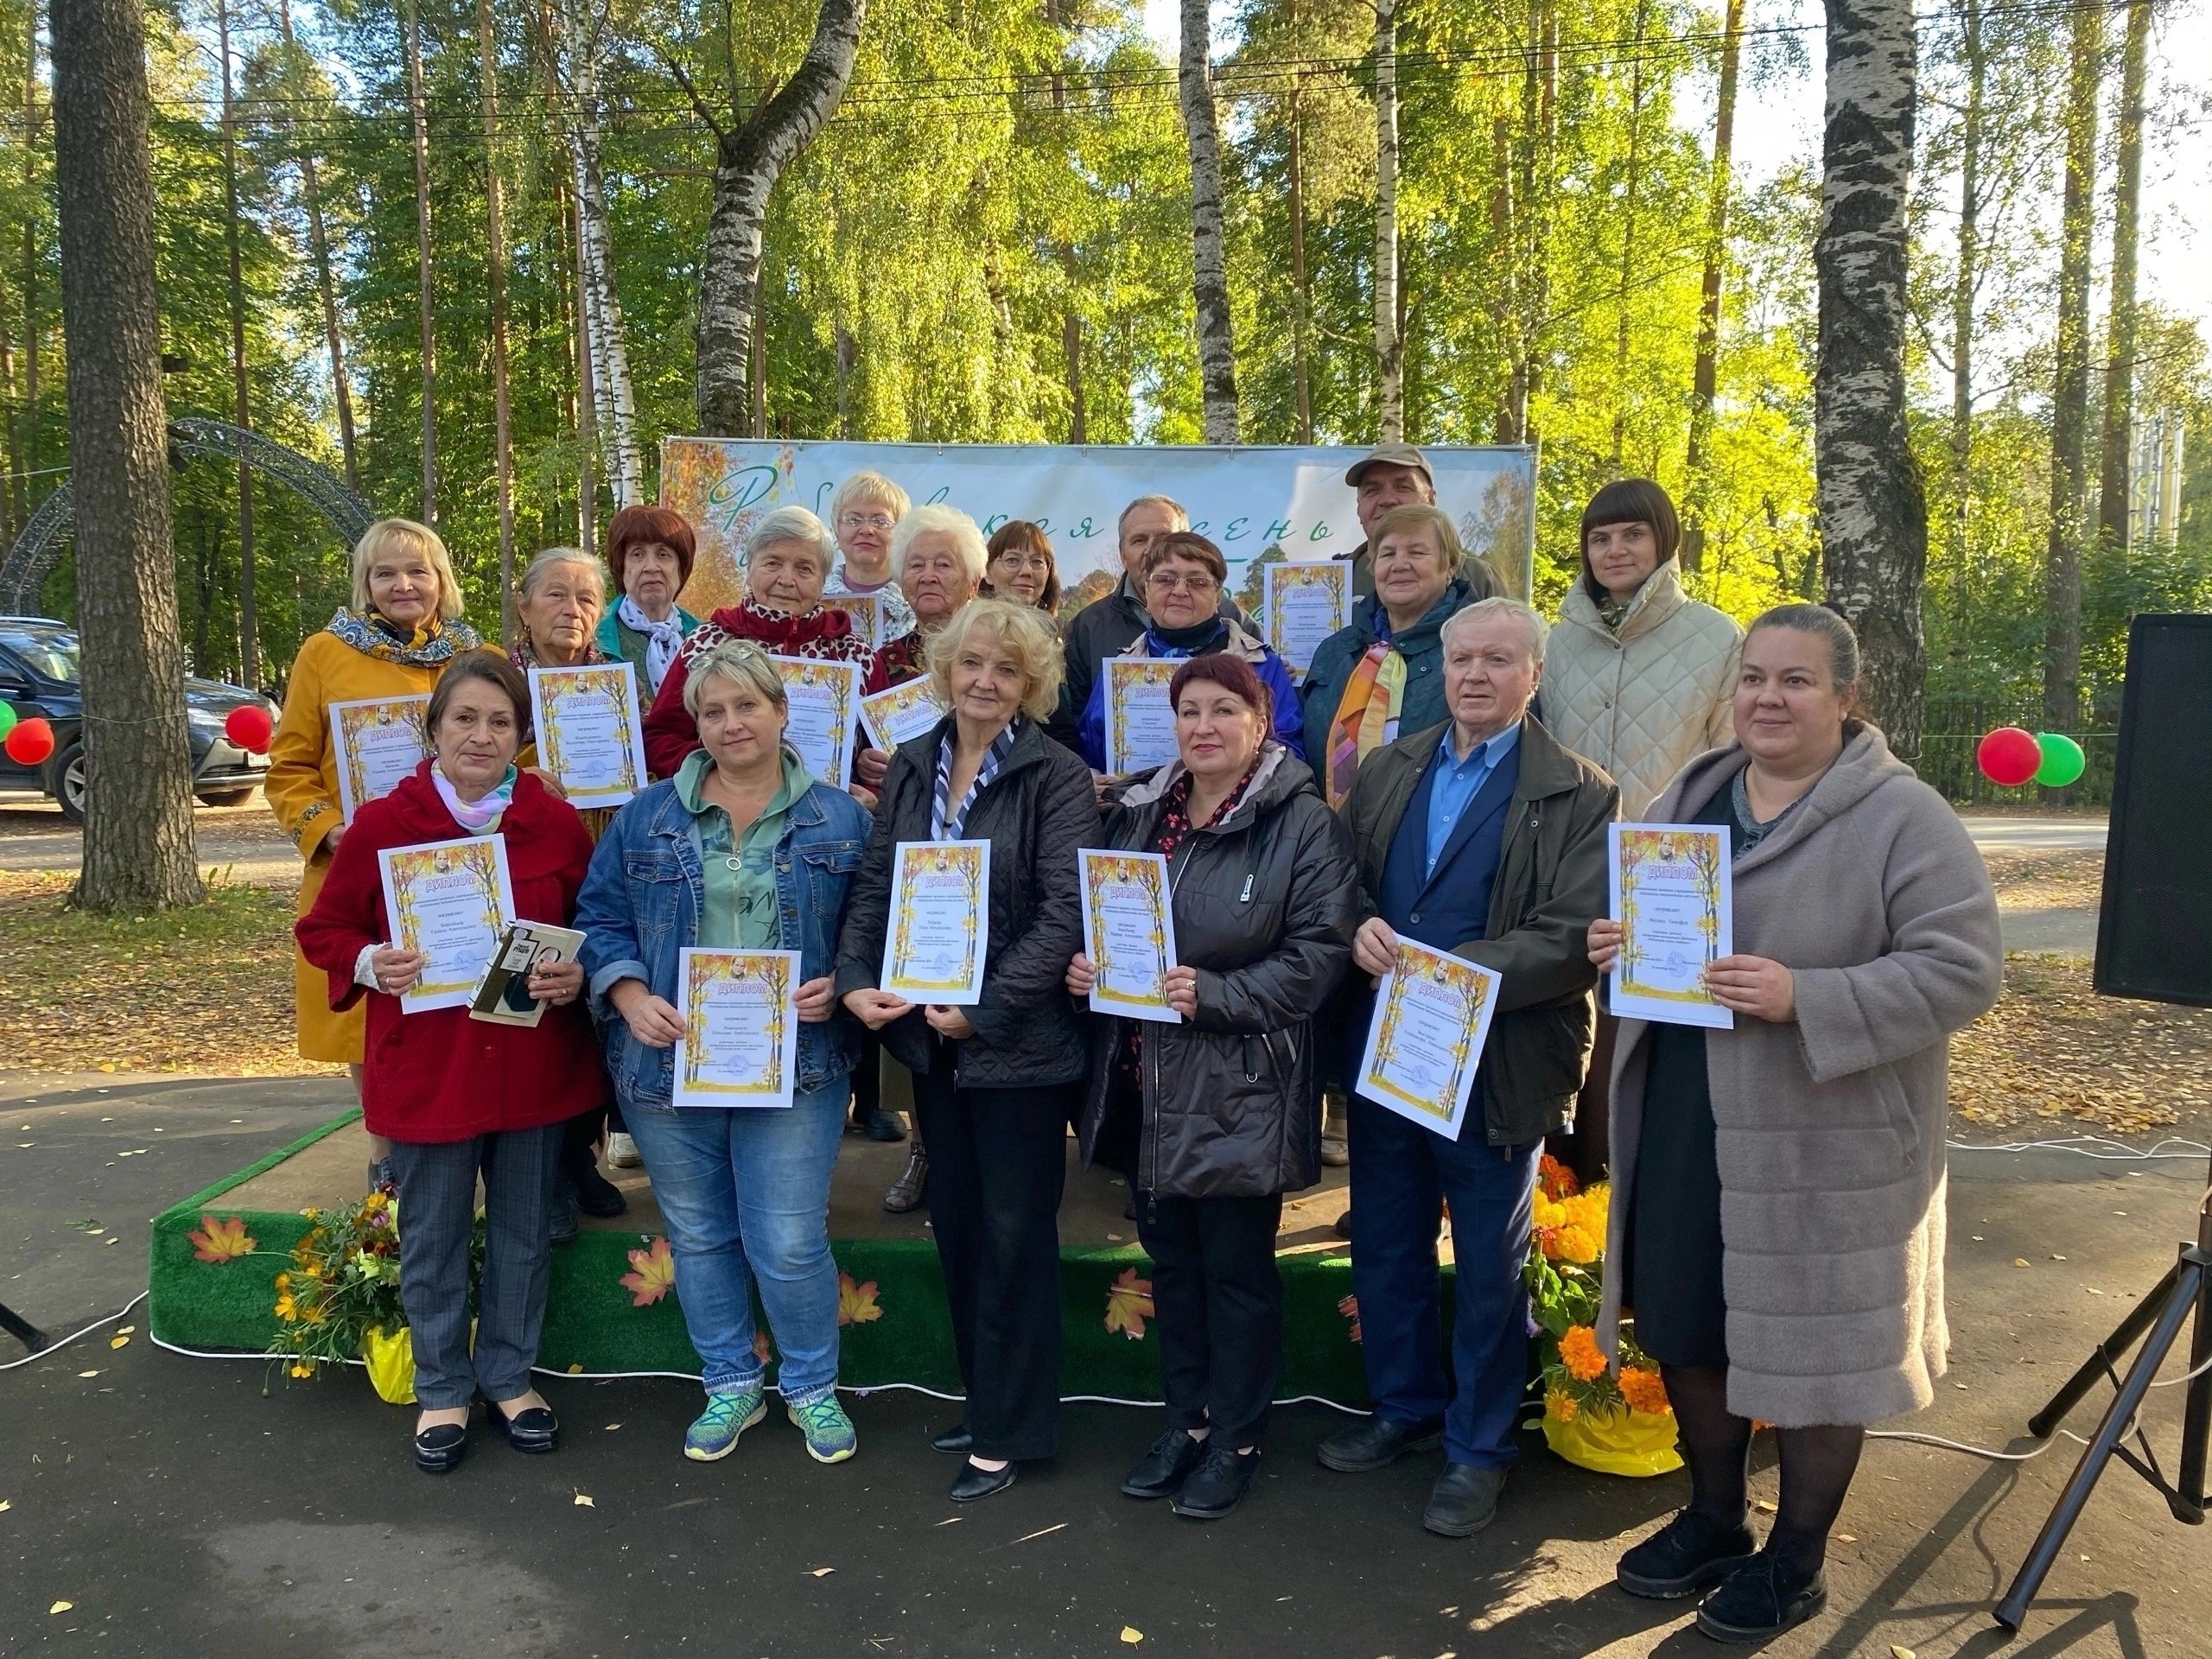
{"x": 437, "y": 1213}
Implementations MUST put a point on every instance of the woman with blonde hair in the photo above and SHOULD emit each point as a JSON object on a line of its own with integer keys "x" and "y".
{"x": 864, "y": 515}
{"x": 403, "y": 624}
{"x": 992, "y": 1081}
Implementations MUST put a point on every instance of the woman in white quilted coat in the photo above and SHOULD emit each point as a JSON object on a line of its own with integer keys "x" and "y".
{"x": 1639, "y": 678}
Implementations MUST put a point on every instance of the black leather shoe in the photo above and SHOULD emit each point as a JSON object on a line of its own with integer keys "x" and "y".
{"x": 1218, "y": 1484}
{"x": 974, "y": 1483}
{"x": 1758, "y": 1601}
{"x": 1161, "y": 1472}
{"x": 440, "y": 1448}
{"x": 561, "y": 1222}
{"x": 884, "y": 1126}
{"x": 534, "y": 1428}
{"x": 956, "y": 1442}
{"x": 1690, "y": 1552}
{"x": 597, "y": 1196}
{"x": 1463, "y": 1500}
{"x": 913, "y": 1187}
{"x": 1372, "y": 1444}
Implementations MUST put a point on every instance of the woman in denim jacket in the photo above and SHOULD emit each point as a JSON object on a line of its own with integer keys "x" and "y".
{"x": 741, "y": 850}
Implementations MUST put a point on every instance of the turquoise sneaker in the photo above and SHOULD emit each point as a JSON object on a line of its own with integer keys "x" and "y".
{"x": 729, "y": 1413}
{"x": 830, "y": 1436}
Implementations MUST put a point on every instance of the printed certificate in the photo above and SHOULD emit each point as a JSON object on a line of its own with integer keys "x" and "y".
{"x": 1673, "y": 893}
{"x": 905, "y": 711}
{"x": 866, "y": 611}
{"x": 823, "y": 697}
{"x": 1304, "y": 604}
{"x": 452, "y": 901}
{"x": 940, "y": 921}
{"x": 589, "y": 731}
{"x": 1431, "y": 1014}
{"x": 1128, "y": 932}
{"x": 1139, "y": 720}
{"x": 739, "y": 1045}
{"x": 378, "y": 741}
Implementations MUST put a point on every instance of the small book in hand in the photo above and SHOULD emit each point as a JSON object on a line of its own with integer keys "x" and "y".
{"x": 503, "y": 996}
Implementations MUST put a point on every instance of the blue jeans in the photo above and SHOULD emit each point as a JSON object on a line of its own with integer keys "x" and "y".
{"x": 747, "y": 1195}
{"x": 1400, "y": 1172}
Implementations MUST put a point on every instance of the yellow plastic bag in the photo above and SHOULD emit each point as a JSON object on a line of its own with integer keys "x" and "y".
{"x": 391, "y": 1360}
{"x": 1638, "y": 1443}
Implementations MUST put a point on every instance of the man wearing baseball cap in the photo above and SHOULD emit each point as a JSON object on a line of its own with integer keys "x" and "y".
{"x": 1395, "y": 475}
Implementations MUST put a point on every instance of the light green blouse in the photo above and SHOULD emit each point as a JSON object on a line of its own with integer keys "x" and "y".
{"x": 740, "y": 913}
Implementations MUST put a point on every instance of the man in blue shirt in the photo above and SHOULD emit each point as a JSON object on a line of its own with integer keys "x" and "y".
{"x": 1484, "y": 837}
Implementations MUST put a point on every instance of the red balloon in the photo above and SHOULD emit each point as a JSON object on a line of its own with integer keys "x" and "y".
{"x": 30, "y": 742}
{"x": 249, "y": 727}
{"x": 2009, "y": 756}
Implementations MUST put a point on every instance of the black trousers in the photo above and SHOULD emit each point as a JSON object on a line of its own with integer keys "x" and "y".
{"x": 867, "y": 1076}
{"x": 998, "y": 1159}
{"x": 1218, "y": 1303}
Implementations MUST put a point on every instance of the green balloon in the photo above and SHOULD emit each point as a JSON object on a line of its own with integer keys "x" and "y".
{"x": 7, "y": 718}
{"x": 2064, "y": 762}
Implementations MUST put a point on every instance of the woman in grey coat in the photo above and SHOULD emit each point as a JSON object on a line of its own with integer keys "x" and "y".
{"x": 1777, "y": 1218}
{"x": 1216, "y": 1117}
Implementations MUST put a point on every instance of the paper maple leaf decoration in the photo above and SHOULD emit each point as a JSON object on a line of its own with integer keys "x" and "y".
{"x": 653, "y": 1275}
{"x": 857, "y": 1303}
{"x": 221, "y": 1240}
{"x": 1129, "y": 1304}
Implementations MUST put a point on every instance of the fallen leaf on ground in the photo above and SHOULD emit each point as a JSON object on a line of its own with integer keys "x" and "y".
{"x": 119, "y": 1342}
{"x": 2020, "y": 1260}
{"x": 5, "y": 1505}
{"x": 822, "y": 1573}
{"x": 1131, "y": 1635}
{"x": 88, "y": 1373}
{"x": 583, "y": 1503}
{"x": 575, "y": 1370}
{"x": 1764, "y": 1506}
{"x": 1897, "y": 1652}
{"x": 610, "y": 1427}
{"x": 61, "y": 1607}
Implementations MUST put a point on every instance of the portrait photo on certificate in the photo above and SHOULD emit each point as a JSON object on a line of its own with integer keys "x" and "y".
{"x": 824, "y": 702}
{"x": 451, "y": 900}
{"x": 1128, "y": 933}
{"x": 1673, "y": 893}
{"x": 589, "y": 731}
{"x": 940, "y": 926}
{"x": 1140, "y": 716}
{"x": 377, "y": 741}
{"x": 1303, "y": 605}
{"x": 739, "y": 1045}
{"x": 1431, "y": 1014}
{"x": 903, "y": 712}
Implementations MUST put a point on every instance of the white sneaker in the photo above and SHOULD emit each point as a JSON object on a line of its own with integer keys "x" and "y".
{"x": 622, "y": 1152}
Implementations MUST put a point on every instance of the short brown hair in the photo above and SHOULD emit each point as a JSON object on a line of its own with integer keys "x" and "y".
{"x": 489, "y": 665}
{"x": 1188, "y": 545}
{"x": 640, "y": 526}
{"x": 1233, "y": 674}
{"x": 1023, "y": 535}
{"x": 1631, "y": 501}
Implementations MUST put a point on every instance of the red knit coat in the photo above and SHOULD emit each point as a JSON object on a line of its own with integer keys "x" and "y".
{"x": 440, "y": 1076}
{"x": 671, "y": 733}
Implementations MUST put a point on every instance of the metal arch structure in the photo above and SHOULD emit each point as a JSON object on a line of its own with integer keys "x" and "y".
{"x": 32, "y": 559}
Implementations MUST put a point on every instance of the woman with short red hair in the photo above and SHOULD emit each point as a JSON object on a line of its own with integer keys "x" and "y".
{"x": 650, "y": 550}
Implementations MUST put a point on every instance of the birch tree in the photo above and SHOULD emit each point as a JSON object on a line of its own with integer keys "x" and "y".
{"x": 583, "y": 47}
{"x": 2113, "y": 492}
{"x": 2069, "y": 398}
{"x": 1209, "y": 252}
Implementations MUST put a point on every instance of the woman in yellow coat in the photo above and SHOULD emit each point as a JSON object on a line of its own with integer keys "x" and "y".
{"x": 393, "y": 641}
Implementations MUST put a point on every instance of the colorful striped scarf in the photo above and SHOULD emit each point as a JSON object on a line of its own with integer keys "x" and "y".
{"x": 1366, "y": 716}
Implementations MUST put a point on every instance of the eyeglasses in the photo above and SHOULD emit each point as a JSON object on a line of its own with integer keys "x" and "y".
{"x": 1023, "y": 562}
{"x": 864, "y": 521}
{"x": 1193, "y": 583}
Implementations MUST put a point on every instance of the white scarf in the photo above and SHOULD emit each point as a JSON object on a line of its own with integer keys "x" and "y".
{"x": 663, "y": 639}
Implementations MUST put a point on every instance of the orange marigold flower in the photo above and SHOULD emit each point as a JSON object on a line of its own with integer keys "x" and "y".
{"x": 1644, "y": 1391}
{"x": 1557, "y": 1180}
{"x": 1573, "y": 1245}
{"x": 1561, "y": 1405}
{"x": 1578, "y": 1351}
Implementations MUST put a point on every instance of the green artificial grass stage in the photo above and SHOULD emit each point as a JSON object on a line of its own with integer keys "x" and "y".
{"x": 897, "y": 1329}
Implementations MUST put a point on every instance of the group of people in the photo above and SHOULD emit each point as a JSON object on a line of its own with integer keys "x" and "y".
{"x": 1445, "y": 770}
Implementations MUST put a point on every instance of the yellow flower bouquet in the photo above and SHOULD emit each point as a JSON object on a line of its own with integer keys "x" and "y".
{"x": 1617, "y": 1424}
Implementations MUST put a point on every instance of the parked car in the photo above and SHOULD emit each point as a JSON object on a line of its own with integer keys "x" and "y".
{"x": 39, "y": 676}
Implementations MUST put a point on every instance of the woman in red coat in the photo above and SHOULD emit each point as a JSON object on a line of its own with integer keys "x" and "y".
{"x": 460, "y": 1098}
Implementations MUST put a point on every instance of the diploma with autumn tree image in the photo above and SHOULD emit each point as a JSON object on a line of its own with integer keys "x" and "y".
{"x": 824, "y": 699}
{"x": 1304, "y": 604}
{"x": 377, "y": 741}
{"x": 1140, "y": 717}
{"x": 1432, "y": 1014}
{"x": 940, "y": 922}
{"x": 905, "y": 711}
{"x": 589, "y": 731}
{"x": 451, "y": 900}
{"x": 1128, "y": 933}
{"x": 864, "y": 611}
{"x": 739, "y": 1045}
{"x": 1674, "y": 896}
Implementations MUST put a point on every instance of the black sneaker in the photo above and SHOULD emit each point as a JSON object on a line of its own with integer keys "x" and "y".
{"x": 884, "y": 1126}
{"x": 1690, "y": 1552}
{"x": 596, "y": 1195}
{"x": 1372, "y": 1444}
{"x": 1161, "y": 1472}
{"x": 1217, "y": 1483}
{"x": 1758, "y": 1601}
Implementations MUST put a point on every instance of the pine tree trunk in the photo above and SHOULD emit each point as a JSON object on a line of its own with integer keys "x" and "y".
{"x": 749, "y": 157}
{"x": 325, "y": 284}
{"x": 138, "y": 841}
{"x": 249, "y": 621}
{"x": 2115, "y": 488}
{"x": 1874, "y": 516}
{"x": 1965, "y": 285}
{"x": 1209, "y": 252}
{"x": 1389, "y": 341}
{"x": 1704, "y": 372}
{"x": 2069, "y": 398}
{"x": 1628, "y": 236}
{"x": 495, "y": 227}
{"x": 419, "y": 116}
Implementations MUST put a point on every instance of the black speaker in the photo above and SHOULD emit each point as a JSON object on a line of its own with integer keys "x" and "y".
{"x": 2154, "y": 929}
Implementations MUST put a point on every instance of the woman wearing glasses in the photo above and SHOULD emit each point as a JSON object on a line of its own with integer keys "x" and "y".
{"x": 1018, "y": 564}
{"x": 1181, "y": 579}
{"x": 865, "y": 509}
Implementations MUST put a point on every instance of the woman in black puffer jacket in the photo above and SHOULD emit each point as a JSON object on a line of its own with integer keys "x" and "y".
{"x": 1216, "y": 1117}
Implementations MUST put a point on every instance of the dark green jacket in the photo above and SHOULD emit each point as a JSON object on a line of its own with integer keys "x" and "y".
{"x": 1551, "y": 886}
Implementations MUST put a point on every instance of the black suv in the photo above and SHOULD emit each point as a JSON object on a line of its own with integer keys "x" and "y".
{"x": 38, "y": 676}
